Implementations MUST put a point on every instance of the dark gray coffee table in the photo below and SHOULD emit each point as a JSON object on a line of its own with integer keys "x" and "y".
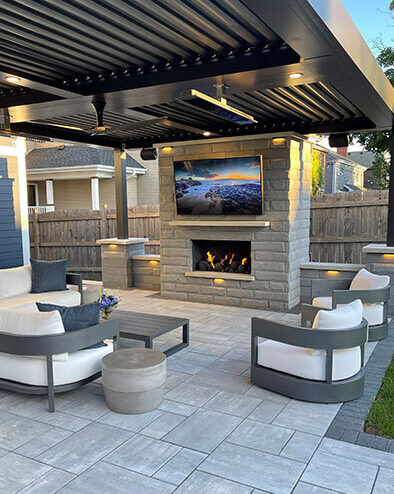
{"x": 146, "y": 327}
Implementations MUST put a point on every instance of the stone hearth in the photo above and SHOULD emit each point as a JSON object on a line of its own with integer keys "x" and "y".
{"x": 279, "y": 239}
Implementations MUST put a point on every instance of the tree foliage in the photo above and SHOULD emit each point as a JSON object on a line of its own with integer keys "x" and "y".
{"x": 317, "y": 172}
{"x": 379, "y": 141}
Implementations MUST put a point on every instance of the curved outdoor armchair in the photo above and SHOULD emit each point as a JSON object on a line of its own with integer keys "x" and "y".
{"x": 341, "y": 294}
{"x": 55, "y": 344}
{"x": 327, "y": 391}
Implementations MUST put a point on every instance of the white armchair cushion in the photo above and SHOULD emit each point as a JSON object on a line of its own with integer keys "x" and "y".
{"x": 32, "y": 323}
{"x": 15, "y": 281}
{"x": 80, "y": 365}
{"x": 298, "y": 361}
{"x": 373, "y": 313}
{"x": 344, "y": 317}
{"x": 364, "y": 280}
{"x": 311, "y": 364}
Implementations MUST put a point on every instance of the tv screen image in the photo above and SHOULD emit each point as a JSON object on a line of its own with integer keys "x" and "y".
{"x": 219, "y": 186}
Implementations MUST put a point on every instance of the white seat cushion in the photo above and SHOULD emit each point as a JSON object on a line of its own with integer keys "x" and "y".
{"x": 298, "y": 361}
{"x": 27, "y": 301}
{"x": 15, "y": 281}
{"x": 373, "y": 313}
{"x": 80, "y": 365}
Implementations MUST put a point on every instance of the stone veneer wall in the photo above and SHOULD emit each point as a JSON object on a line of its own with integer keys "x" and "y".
{"x": 146, "y": 272}
{"x": 277, "y": 250}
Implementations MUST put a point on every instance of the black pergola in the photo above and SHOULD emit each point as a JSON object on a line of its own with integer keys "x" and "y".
{"x": 140, "y": 55}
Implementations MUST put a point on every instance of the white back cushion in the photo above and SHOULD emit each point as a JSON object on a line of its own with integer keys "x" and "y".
{"x": 15, "y": 281}
{"x": 364, "y": 280}
{"x": 344, "y": 317}
{"x": 33, "y": 323}
{"x": 30, "y": 323}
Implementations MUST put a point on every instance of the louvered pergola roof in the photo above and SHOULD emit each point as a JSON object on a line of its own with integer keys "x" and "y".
{"x": 142, "y": 54}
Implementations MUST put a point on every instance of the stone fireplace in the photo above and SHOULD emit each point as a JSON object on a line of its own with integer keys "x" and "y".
{"x": 268, "y": 249}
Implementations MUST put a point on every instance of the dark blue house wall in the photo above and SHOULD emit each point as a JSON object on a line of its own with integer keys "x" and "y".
{"x": 11, "y": 254}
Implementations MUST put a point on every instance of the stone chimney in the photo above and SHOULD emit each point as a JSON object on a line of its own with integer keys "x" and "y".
{"x": 342, "y": 151}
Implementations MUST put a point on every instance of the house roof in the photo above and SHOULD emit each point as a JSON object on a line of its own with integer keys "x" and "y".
{"x": 365, "y": 158}
{"x": 73, "y": 156}
{"x": 333, "y": 157}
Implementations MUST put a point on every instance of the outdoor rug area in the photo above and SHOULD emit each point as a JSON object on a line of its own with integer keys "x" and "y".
{"x": 213, "y": 433}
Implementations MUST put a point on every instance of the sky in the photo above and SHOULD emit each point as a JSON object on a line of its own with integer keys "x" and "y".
{"x": 245, "y": 168}
{"x": 372, "y": 20}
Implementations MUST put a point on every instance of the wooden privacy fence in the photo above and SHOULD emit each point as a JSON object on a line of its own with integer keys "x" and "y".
{"x": 343, "y": 223}
{"x": 72, "y": 235}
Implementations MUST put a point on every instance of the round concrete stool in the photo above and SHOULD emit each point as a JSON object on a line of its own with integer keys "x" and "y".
{"x": 133, "y": 380}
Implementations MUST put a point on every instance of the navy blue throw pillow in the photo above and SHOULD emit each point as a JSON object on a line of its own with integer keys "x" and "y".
{"x": 48, "y": 276}
{"x": 78, "y": 317}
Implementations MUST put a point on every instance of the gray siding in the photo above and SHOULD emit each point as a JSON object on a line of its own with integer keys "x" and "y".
{"x": 10, "y": 235}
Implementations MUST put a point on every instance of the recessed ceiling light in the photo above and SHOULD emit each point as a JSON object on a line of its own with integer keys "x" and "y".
{"x": 295, "y": 75}
{"x": 206, "y": 133}
{"x": 12, "y": 78}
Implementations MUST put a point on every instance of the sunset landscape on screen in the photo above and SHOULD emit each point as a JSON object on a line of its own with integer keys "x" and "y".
{"x": 219, "y": 186}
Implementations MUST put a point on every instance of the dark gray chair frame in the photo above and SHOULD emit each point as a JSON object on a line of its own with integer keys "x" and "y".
{"x": 50, "y": 345}
{"x": 75, "y": 279}
{"x": 327, "y": 391}
{"x": 341, "y": 294}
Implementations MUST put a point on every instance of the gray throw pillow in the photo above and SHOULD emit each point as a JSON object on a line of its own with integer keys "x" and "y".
{"x": 48, "y": 276}
{"x": 77, "y": 317}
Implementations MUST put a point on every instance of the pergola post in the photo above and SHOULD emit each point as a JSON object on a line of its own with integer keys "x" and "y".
{"x": 121, "y": 195}
{"x": 390, "y": 212}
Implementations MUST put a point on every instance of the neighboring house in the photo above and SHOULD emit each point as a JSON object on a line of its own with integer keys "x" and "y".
{"x": 14, "y": 223}
{"x": 341, "y": 173}
{"x": 366, "y": 158}
{"x": 82, "y": 177}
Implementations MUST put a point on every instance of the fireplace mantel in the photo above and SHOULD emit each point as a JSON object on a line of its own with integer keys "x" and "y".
{"x": 225, "y": 224}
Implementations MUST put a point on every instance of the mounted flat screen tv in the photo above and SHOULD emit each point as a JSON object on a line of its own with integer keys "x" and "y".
{"x": 219, "y": 186}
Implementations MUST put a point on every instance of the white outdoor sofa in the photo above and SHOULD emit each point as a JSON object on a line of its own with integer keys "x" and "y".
{"x": 37, "y": 356}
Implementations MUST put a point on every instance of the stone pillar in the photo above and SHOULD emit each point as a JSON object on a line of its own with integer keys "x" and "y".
{"x": 116, "y": 261}
{"x": 94, "y": 184}
{"x": 49, "y": 192}
{"x": 379, "y": 259}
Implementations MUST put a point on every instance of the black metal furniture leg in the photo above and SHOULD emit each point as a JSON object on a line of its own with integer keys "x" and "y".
{"x": 148, "y": 343}
{"x": 51, "y": 389}
{"x": 185, "y": 334}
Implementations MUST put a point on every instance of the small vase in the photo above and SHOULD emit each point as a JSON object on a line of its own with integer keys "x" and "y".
{"x": 107, "y": 314}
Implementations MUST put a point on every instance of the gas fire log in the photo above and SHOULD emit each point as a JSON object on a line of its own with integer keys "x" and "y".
{"x": 202, "y": 265}
{"x": 218, "y": 266}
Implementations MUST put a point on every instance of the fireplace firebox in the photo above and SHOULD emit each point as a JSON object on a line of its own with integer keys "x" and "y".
{"x": 226, "y": 256}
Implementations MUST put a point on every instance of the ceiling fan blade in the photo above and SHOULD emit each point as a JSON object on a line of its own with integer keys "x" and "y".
{"x": 69, "y": 127}
{"x": 137, "y": 125}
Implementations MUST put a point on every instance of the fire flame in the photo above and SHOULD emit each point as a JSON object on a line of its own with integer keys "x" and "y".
{"x": 244, "y": 261}
{"x": 210, "y": 259}
{"x": 232, "y": 259}
{"x": 224, "y": 260}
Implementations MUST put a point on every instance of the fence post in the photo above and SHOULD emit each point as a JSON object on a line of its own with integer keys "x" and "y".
{"x": 36, "y": 236}
{"x": 104, "y": 223}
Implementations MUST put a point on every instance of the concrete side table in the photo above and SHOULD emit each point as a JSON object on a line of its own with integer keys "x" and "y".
{"x": 133, "y": 380}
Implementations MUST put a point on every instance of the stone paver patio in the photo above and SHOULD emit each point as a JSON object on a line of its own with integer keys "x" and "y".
{"x": 213, "y": 433}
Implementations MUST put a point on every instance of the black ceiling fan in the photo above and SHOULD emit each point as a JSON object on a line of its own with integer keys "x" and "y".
{"x": 98, "y": 103}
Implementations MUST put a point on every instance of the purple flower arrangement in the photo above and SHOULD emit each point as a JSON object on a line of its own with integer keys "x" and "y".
{"x": 107, "y": 304}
